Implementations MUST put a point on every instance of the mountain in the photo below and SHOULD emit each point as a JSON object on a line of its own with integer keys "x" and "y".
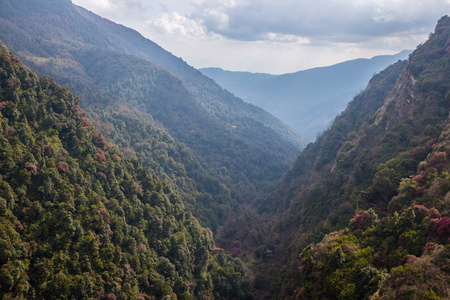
{"x": 314, "y": 197}
{"x": 78, "y": 220}
{"x": 382, "y": 167}
{"x": 212, "y": 97}
{"x": 344, "y": 222}
{"x": 213, "y": 147}
{"x": 362, "y": 214}
{"x": 309, "y": 100}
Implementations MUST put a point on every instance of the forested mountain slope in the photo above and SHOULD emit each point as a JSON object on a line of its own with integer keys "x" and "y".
{"x": 80, "y": 220}
{"x": 308, "y": 100}
{"x": 384, "y": 155}
{"x": 306, "y": 195}
{"x": 376, "y": 146}
{"x": 216, "y": 158}
{"x": 211, "y": 96}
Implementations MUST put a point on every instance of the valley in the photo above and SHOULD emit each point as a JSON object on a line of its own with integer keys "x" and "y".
{"x": 127, "y": 174}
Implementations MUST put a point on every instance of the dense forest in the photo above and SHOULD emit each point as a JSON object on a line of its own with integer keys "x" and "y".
{"x": 79, "y": 219}
{"x": 211, "y": 146}
{"x": 155, "y": 183}
{"x": 381, "y": 163}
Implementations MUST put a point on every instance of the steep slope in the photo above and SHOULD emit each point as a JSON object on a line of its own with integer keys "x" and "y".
{"x": 307, "y": 100}
{"x": 225, "y": 156}
{"x": 307, "y": 195}
{"x": 362, "y": 161}
{"x": 359, "y": 163}
{"x": 405, "y": 255}
{"x": 79, "y": 220}
{"x": 212, "y": 97}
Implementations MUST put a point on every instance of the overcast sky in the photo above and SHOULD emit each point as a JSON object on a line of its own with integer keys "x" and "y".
{"x": 276, "y": 36}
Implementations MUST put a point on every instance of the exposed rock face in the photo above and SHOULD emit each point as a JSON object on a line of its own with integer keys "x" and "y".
{"x": 399, "y": 104}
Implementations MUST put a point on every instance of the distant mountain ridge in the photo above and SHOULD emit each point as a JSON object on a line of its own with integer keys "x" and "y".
{"x": 207, "y": 142}
{"x": 211, "y": 96}
{"x": 306, "y": 100}
{"x": 364, "y": 212}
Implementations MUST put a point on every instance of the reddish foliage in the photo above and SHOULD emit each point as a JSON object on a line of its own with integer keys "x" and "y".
{"x": 99, "y": 140}
{"x": 435, "y": 214}
{"x": 101, "y": 176}
{"x": 84, "y": 123}
{"x": 1, "y": 106}
{"x": 100, "y": 156}
{"x": 105, "y": 214}
{"x": 411, "y": 258}
{"x": 444, "y": 227}
{"x": 380, "y": 260}
{"x": 48, "y": 150}
{"x": 111, "y": 297}
{"x": 419, "y": 191}
{"x": 79, "y": 108}
{"x": 419, "y": 152}
{"x": 128, "y": 268}
{"x": 361, "y": 220}
{"x": 63, "y": 167}
{"x": 433, "y": 225}
{"x": 438, "y": 158}
{"x": 58, "y": 116}
{"x": 421, "y": 212}
{"x": 419, "y": 178}
{"x": 19, "y": 225}
{"x": 430, "y": 246}
{"x": 33, "y": 168}
{"x": 430, "y": 143}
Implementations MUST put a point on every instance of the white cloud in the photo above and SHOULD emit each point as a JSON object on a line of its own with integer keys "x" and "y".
{"x": 174, "y": 24}
{"x": 215, "y": 20}
{"x": 276, "y": 36}
{"x": 94, "y": 5}
{"x": 253, "y": 20}
{"x": 286, "y": 38}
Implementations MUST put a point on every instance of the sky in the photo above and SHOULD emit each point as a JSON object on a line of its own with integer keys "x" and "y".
{"x": 276, "y": 36}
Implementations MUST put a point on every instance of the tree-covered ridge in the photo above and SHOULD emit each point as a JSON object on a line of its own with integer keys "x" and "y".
{"x": 79, "y": 220}
{"x": 228, "y": 156}
{"x": 362, "y": 164}
{"x": 208, "y": 199}
{"x": 211, "y": 96}
{"x": 405, "y": 255}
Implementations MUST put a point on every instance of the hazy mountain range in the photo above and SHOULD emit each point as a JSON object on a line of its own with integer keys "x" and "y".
{"x": 143, "y": 179}
{"x": 309, "y": 100}
{"x": 125, "y": 81}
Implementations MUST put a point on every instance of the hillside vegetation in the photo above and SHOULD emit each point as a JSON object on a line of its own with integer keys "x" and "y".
{"x": 358, "y": 169}
{"x": 385, "y": 158}
{"x": 209, "y": 145}
{"x": 79, "y": 220}
{"x": 116, "y": 194}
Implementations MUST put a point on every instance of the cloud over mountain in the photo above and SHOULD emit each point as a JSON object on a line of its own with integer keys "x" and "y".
{"x": 344, "y": 21}
{"x": 242, "y": 34}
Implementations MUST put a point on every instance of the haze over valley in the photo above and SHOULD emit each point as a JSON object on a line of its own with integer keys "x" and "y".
{"x": 126, "y": 173}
